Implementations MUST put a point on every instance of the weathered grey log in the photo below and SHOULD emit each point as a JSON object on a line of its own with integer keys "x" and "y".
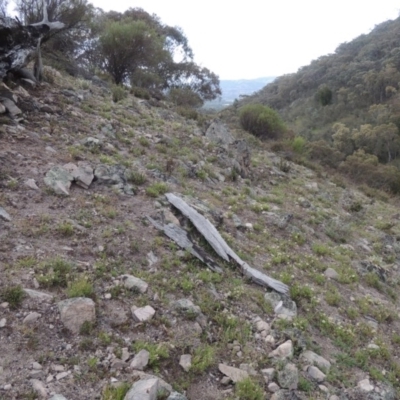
{"x": 180, "y": 237}
{"x": 210, "y": 233}
{"x": 18, "y": 42}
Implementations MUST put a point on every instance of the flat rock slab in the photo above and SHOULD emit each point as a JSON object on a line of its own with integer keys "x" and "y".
{"x": 31, "y": 318}
{"x": 82, "y": 174}
{"x": 133, "y": 283}
{"x": 140, "y": 360}
{"x": 40, "y": 296}
{"x": 282, "y": 305}
{"x": 186, "y": 306}
{"x": 75, "y": 312}
{"x": 58, "y": 397}
{"x": 288, "y": 377}
{"x": 143, "y": 390}
{"x": 143, "y": 314}
{"x": 235, "y": 374}
{"x": 185, "y": 362}
{"x": 4, "y": 215}
{"x": 285, "y": 350}
{"x": 316, "y": 374}
{"x": 59, "y": 179}
{"x": 314, "y": 358}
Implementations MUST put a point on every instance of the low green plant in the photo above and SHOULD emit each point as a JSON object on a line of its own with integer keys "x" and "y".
{"x": 203, "y": 358}
{"x": 249, "y": 389}
{"x": 81, "y": 288}
{"x": 118, "y": 93}
{"x": 55, "y": 273}
{"x": 65, "y": 228}
{"x": 158, "y": 351}
{"x": 116, "y": 392}
{"x": 157, "y": 189}
{"x": 13, "y": 295}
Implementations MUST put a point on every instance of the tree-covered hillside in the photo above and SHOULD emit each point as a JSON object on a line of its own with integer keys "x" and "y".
{"x": 347, "y": 104}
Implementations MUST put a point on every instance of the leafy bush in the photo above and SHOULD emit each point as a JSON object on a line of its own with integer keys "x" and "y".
{"x": 324, "y": 96}
{"x": 261, "y": 121}
{"x": 185, "y": 97}
{"x": 365, "y": 168}
{"x": 325, "y": 154}
{"x": 13, "y": 295}
{"x": 118, "y": 93}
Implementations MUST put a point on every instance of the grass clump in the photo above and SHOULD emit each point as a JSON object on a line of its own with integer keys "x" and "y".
{"x": 203, "y": 358}
{"x": 81, "y": 288}
{"x": 13, "y": 295}
{"x": 56, "y": 273}
{"x": 158, "y": 351}
{"x": 248, "y": 389}
{"x": 116, "y": 392}
{"x": 157, "y": 189}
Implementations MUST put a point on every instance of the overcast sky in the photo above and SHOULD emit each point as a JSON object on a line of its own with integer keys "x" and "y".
{"x": 257, "y": 38}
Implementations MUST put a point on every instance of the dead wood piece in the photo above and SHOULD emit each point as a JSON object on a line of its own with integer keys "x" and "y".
{"x": 180, "y": 237}
{"x": 210, "y": 233}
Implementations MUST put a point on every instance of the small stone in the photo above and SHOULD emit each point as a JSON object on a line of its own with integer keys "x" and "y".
{"x": 365, "y": 386}
{"x": 176, "y": 396}
{"x": 7, "y": 387}
{"x": 39, "y": 388}
{"x": 36, "y": 365}
{"x": 273, "y": 387}
{"x": 133, "y": 283}
{"x": 270, "y": 340}
{"x": 285, "y": 350}
{"x": 186, "y": 306}
{"x": 185, "y": 362}
{"x": 235, "y": 374}
{"x": 143, "y": 314}
{"x": 316, "y": 374}
{"x": 40, "y": 296}
{"x": 269, "y": 373}
{"x": 288, "y": 377}
{"x": 76, "y": 311}
{"x": 334, "y": 397}
{"x": 140, "y": 360}
{"x": 58, "y": 397}
{"x": 373, "y": 346}
{"x": 108, "y": 296}
{"x": 332, "y": 274}
{"x": 314, "y": 358}
{"x": 145, "y": 389}
{"x": 125, "y": 354}
{"x": 62, "y": 375}
{"x": 263, "y": 326}
{"x": 31, "y": 318}
{"x": 248, "y": 368}
{"x": 3, "y": 322}
{"x": 323, "y": 388}
{"x": 57, "y": 368}
{"x": 4, "y": 215}
{"x": 31, "y": 184}
{"x": 4, "y": 305}
{"x": 49, "y": 379}
{"x": 226, "y": 380}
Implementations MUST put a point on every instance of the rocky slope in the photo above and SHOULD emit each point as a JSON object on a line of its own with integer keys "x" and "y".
{"x": 97, "y": 303}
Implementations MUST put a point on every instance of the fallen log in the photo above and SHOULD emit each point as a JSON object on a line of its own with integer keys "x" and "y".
{"x": 180, "y": 237}
{"x": 210, "y": 233}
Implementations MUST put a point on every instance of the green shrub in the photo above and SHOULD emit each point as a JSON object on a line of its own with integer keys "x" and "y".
{"x": 299, "y": 145}
{"x": 248, "y": 389}
{"x": 118, "y": 93}
{"x": 261, "y": 121}
{"x": 141, "y": 93}
{"x": 13, "y": 295}
{"x": 324, "y": 95}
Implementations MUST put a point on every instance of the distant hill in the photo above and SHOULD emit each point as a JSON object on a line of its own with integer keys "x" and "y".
{"x": 233, "y": 89}
{"x": 346, "y": 107}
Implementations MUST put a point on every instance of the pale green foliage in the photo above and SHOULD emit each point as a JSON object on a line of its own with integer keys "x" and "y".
{"x": 261, "y": 121}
